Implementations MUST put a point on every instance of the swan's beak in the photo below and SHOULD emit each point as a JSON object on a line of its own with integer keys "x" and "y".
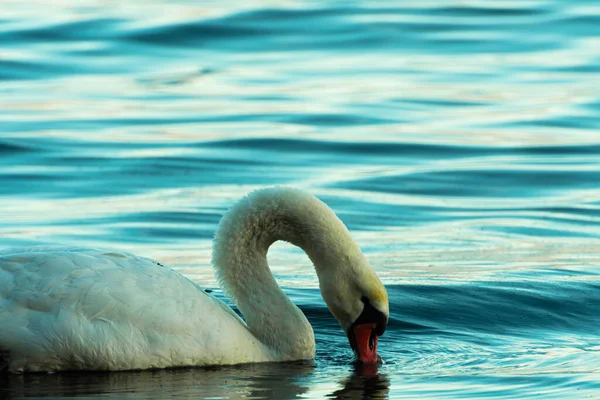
{"x": 365, "y": 331}
{"x": 363, "y": 340}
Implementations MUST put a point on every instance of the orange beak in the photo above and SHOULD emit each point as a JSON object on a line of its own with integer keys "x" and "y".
{"x": 366, "y": 343}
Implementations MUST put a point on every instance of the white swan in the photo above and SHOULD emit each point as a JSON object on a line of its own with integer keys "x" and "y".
{"x": 83, "y": 309}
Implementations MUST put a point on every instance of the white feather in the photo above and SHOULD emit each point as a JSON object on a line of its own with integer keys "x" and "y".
{"x": 63, "y": 308}
{"x": 67, "y": 308}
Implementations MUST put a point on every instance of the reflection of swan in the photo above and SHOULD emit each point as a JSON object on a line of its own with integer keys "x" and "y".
{"x": 264, "y": 381}
{"x": 71, "y": 308}
{"x": 364, "y": 383}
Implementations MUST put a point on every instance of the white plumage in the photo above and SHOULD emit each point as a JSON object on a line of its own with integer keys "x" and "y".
{"x": 67, "y": 308}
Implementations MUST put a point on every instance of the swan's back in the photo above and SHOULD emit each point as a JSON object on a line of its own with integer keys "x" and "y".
{"x": 73, "y": 308}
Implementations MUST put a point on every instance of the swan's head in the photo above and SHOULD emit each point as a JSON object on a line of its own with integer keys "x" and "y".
{"x": 358, "y": 300}
{"x": 350, "y": 287}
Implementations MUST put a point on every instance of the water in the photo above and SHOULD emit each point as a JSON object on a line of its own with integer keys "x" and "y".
{"x": 459, "y": 141}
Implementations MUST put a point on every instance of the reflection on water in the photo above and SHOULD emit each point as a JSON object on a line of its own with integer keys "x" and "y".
{"x": 365, "y": 383}
{"x": 259, "y": 381}
{"x": 265, "y": 381}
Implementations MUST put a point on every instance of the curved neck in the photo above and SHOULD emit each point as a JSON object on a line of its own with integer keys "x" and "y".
{"x": 240, "y": 259}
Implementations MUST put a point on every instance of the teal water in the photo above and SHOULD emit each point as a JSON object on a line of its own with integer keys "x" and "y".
{"x": 459, "y": 141}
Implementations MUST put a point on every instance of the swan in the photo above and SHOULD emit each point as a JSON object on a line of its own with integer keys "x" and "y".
{"x": 69, "y": 308}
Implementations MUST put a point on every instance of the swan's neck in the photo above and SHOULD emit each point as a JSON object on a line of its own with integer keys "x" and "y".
{"x": 240, "y": 259}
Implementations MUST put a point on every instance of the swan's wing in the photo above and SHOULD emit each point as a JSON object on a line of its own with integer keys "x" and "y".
{"x": 91, "y": 309}
{"x": 218, "y": 302}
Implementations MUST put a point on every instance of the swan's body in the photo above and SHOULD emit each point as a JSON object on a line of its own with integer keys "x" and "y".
{"x": 85, "y": 309}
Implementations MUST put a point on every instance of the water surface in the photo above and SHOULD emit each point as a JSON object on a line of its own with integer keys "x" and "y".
{"x": 459, "y": 141}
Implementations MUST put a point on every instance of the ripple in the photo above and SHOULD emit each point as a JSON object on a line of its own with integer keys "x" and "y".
{"x": 459, "y": 144}
{"x": 499, "y": 183}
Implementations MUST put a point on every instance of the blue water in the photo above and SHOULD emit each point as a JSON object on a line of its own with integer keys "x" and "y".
{"x": 459, "y": 141}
